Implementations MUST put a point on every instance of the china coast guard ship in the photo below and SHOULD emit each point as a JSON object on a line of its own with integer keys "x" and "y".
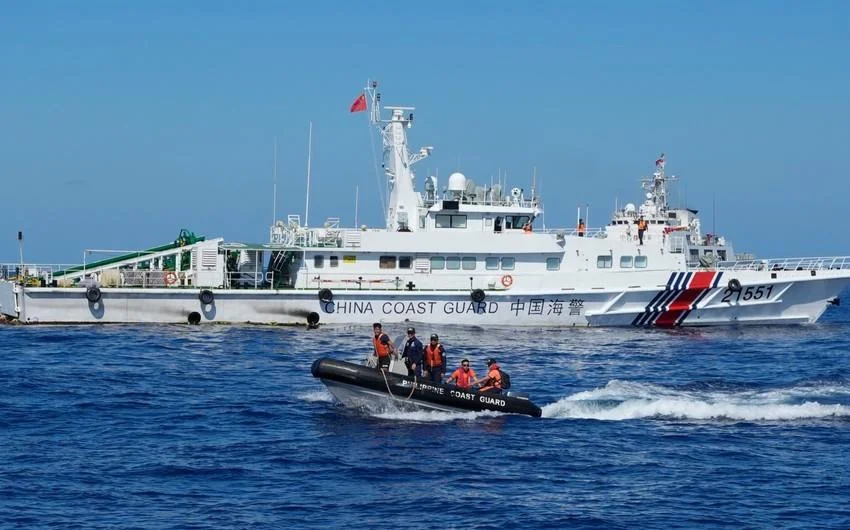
{"x": 467, "y": 255}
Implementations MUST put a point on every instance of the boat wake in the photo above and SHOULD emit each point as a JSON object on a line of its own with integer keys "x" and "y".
{"x": 399, "y": 410}
{"x": 431, "y": 416}
{"x": 624, "y": 400}
{"x": 316, "y": 396}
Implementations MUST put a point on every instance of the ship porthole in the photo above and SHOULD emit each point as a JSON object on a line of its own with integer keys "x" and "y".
{"x": 194, "y": 318}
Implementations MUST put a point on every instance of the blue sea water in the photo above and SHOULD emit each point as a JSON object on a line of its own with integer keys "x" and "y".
{"x": 224, "y": 427}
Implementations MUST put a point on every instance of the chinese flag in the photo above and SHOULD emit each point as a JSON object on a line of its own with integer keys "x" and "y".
{"x": 359, "y": 103}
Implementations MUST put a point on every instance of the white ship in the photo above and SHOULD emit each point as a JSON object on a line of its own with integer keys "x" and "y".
{"x": 462, "y": 255}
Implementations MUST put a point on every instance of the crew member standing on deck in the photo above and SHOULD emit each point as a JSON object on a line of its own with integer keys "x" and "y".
{"x": 413, "y": 353}
{"x": 384, "y": 347}
{"x": 641, "y": 229}
{"x": 435, "y": 360}
{"x": 581, "y": 228}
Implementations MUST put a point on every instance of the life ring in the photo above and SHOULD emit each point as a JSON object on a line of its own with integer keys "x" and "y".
{"x": 507, "y": 280}
{"x": 170, "y": 278}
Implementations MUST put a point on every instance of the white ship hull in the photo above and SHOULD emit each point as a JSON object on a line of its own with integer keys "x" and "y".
{"x": 464, "y": 254}
{"x": 697, "y": 298}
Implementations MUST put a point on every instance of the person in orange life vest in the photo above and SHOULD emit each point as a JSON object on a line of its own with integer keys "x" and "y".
{"x": 641, "y": 229}
{"x": 581, "y": 228}
{"x": 413, "y": 353}
{"x": 384, "y": 347}
{"x": 493, "y": 382}
{"x": 464, "y": 377}
{"x": 435, "y": 360}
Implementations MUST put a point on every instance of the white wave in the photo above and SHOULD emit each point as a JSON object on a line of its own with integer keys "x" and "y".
{"x": 624, "y": 400}
{"x": 316, "y": 396}
{"x": 431, "y": 415}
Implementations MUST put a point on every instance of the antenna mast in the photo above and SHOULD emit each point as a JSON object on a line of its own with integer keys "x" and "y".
{"x": 274, "y": 186}
{"x": 309, "y": 158}
{"x": 533, "y": 181}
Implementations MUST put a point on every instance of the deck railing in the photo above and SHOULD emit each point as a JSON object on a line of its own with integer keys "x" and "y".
{"x": 32, "y": 272}
{"x": 784, "y": 264}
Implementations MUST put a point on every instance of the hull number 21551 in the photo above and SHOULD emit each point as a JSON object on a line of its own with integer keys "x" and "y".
{"x": 753, "y": 292}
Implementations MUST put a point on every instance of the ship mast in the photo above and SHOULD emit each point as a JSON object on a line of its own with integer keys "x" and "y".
{"x": 656, "y": 186}
{"x": 404, "y": 202}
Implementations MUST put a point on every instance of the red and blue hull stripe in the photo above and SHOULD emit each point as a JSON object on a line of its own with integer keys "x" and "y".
{"x": 684, "y": 291}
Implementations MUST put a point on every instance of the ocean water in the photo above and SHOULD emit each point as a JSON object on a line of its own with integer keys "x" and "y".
{"x": 224, "y": 427}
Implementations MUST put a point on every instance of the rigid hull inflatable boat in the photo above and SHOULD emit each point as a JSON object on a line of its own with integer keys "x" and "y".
{"x": 363, "y": 386}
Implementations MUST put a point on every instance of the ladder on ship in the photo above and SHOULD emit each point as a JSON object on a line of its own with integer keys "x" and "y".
{"x": 279, "y": 266}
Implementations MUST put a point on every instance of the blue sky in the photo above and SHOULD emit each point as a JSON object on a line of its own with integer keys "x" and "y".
{"x": 124, "y": 122}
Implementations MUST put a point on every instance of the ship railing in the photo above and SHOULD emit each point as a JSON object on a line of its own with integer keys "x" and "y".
{"x": 588, "y": 232}
{"x": 330, "y": 236}
{"x": 43, "y": 275}
{"x": 249, "y": 280}
{"x": 32, "y": 273}
{"x": 785, "y": 264}
{"x": 472, "y": 200}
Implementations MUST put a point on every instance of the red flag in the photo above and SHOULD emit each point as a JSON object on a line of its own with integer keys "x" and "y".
{"x": 660, "y": 162}
{"x": 359, "y": 103}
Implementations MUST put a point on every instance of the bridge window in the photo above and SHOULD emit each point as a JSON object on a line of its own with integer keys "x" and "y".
{"x": 508, "y": 264}
{"x": 438, "y": 263}
{"x": 604, "y": 262}
{"x": 626, "y": 262}
{"x": 318, "y": 262}
{"x": 640, "y": 262}
{"x": 468, "y": 263}
{"x": 334, "y": 261}
{"x": 491, "y": 264}
{"x": 553, "y": 264}
{"x": 516, "y": 222}
{"x": 450, "y": 221}
{"x": 453, "y": 263}
{"x": 387, "y": 262}
{"x": 404, "y": 262}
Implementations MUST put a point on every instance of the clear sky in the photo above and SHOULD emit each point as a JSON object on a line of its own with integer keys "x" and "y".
{"x": 122, "y": 122}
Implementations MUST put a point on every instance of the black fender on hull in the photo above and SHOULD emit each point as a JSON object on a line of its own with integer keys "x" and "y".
{"x": 427, "y": 392}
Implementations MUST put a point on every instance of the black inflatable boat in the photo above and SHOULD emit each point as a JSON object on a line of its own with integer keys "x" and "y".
{"x": 362, "y": 386}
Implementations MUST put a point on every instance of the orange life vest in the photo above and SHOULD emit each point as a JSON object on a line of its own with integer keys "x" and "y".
{"x": 381, "y": 350}
{"x": 581, "y": 228}
{"x": 433, "y": 356}
{"x": 463, "y": 377}
{"x": 641, "y": 225}
{"x": 494, "y": 380}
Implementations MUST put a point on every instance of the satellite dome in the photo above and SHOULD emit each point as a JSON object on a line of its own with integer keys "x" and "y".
{"x": 457, "y": 181}
{"x": 630, "y": 208}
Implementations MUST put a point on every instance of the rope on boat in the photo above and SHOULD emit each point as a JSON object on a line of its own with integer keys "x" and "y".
{"x": 387, "y": 383}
